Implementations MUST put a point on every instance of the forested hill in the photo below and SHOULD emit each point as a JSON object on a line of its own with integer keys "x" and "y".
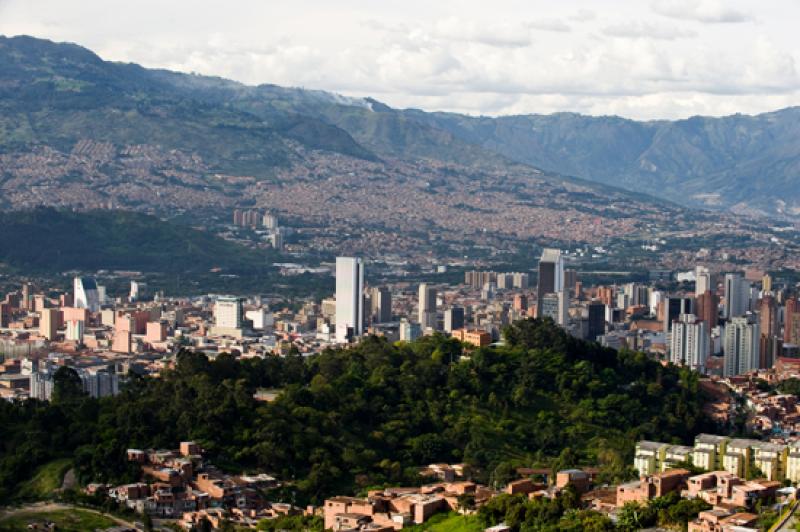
{"x": 368, "y": 415}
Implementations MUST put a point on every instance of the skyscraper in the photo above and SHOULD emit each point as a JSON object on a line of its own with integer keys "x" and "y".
{"x": 791, "y": 320}
{"x": 48, "y": 323}
{"x": 427, "y": 306}
{"x": 349, "y": 298}
{"x": 673, "y": 308}
{"x": 702, "y": 283}
{"x": 689, "y": 342}
{"x": 741, "y": 346}
{"x": 707, "y": 309}
{"x": 380, "y": 304}
{"x": 86, "y": 294}
{"x": 737, "y": 295}
{"x": 453, "y": 319}
{"x": 551, "y": 276}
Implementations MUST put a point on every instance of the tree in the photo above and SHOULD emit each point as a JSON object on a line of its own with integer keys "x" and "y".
{"x": 67, "y": 386}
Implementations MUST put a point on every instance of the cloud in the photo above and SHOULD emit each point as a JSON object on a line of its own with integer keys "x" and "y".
{"x": 707, "y": 11}
{"x": 639, "y": 30}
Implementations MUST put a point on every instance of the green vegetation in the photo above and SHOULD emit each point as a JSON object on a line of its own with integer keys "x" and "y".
{"x": 55, "y": 241}
{"x": 449, "y": 522}
{"x": 72, "y": 520}
{"x": 47, "y": 479}
{"x": 371, "y": 414}
{"x": 542, "y": 514}
{"x": 292, "y": 523}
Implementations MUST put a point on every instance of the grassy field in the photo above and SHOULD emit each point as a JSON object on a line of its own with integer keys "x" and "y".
{"x": 73, "y": 520}
{"x": 47, "y": 479}
{"x": 450, "y": 522}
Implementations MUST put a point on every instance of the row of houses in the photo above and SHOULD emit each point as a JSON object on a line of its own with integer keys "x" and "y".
{"x": 738, "y": 456}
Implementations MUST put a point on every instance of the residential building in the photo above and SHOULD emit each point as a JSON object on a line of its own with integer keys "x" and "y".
{"x": 741, "y": 345}
{"x": 689, "y": 342}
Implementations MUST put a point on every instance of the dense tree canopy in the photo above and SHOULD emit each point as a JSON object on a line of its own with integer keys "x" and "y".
{"x": 354, "y": 418}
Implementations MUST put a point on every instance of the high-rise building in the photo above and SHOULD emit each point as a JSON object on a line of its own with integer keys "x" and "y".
{"x": 596, "y": 320}
{"x": 768, "y": 315}
{"x": 521, "y": 280}
{"x": 269, "y": 221}
{"x": 427, "y": 306}
{"x": 551, "y": 276}
{"x": 702, "y": 283}
{"x": 737, "y": 295}
{"x": 349, "y": 299}
{"x": 453, "y": 319}
{"x": 27, "y": 297}
{"x": 791, "y": 322}
{"x": 520, "y": 302}
{"x": 380, "y": 304}
{"x": 75, "y": 329}
{"x": 741, "y": 344}
{"x": 570, "y": 279}
{"x": 689, "y": 342}
{"x": 48, "y": 323}
{"x": 707, "y": 309}
{"x": 673, "y": 308}
{"x": 409, "y": 331}
{"x": 228, "y": 312}
{"x": 137, "y": 291}
{"x": 5, "y": 314}
{"x": 85, "y": 294}
{"x": 766, "y": 284}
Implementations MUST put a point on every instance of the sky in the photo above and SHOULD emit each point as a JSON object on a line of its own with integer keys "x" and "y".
{"x": 642, "y": 59}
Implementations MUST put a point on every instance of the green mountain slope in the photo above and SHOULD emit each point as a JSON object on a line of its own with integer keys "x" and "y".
{"x": 47, "y": 240}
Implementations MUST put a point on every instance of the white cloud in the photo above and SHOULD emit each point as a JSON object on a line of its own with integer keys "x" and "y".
{"x": 709, "y": 11}
{"x": 639, "y": 29}
{"x": 495, "y": 59}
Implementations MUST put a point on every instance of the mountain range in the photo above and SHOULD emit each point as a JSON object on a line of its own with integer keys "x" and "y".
{"x": 67, "y": 114}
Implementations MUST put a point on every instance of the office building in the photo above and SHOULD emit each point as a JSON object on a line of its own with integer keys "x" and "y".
{"x": 707, "y": 309}
{"x": 673, "y": 307}
{"x": 737, "y": 296}
{"x": 741, "y": 344}
{"x": 409, "y": 331}
{"x": 427, "y": 306}
{"x": 689, "y": 342}
{"x": 702, "y": 282}
{"x": 75, "y": 329}
{"x": 453, "y": 319}
{"x": 228, "y": 312}
{"x": 380, "y": 299}
{"x": 551, "y": 276}
{"x": 48, "y": 323}
{"x": 86, "y": 294}
{"x": 596, "y": 318}
{"x": 349, "y": 299}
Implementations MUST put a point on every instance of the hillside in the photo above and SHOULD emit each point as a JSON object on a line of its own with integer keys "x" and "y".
{"x": 741, "y": 162}
{"x": 371, "y": 414}
{"x": 51, "y": 241}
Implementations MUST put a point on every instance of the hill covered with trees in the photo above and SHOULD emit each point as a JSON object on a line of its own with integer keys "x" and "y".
{"x": 369, "y": 415}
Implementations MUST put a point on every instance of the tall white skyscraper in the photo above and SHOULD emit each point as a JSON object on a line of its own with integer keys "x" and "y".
{"x": 737, "y": 295}
{"x": 689, "y": 344}
{"x": 741, "y": 344}
{"x": 349, "y": 298}
{"x": 86, "y": 294}
{"x": 702, "y": 282}
{"x": 427, "y": 306}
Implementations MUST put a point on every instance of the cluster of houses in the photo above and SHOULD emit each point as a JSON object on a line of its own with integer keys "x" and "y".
{"x": 182, "y": 486}
{"x": 738, "y": 456}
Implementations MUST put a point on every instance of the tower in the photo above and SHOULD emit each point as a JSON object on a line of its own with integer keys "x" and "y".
{"x": 349, "y": 298}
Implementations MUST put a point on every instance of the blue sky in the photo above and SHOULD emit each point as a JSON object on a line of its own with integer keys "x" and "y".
{"x": 642, "y": 59}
